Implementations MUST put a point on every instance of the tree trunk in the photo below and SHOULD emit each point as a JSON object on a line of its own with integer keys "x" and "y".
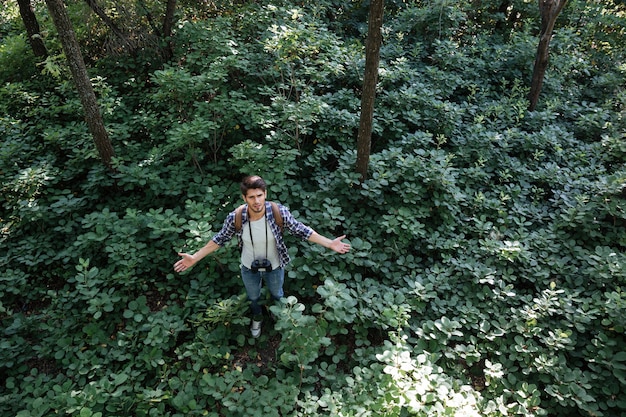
{"x": 370, "y": 79}
{"x": 149, "y": 18}
{"x": 32, "y": 29}
{"x": 168, "y": 24}
{"x": 117, "y": 31}
{"x": 550, "y": 10}
{"x": 93, "y": 117}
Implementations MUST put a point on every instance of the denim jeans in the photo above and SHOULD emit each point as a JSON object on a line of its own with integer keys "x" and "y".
{"x": 253, "y": 281}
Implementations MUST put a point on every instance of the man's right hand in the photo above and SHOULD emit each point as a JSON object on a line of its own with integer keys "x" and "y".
{"x": 185, "y": 263}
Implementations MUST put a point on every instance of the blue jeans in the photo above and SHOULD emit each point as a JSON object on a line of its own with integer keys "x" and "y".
{"x": 253, "y": 281}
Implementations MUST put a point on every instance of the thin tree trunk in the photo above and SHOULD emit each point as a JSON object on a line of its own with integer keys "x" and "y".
{"x": 32, "y": 29}
{"x": 93, "y": 117}
{"x": 370, "y": 79}
{"x": 168, "y": 24}
{"x": 550, "y": 10}
{"x": 149, "y": 18}
{"x": 168, "y": 20}
{"x": 117, "y": 31}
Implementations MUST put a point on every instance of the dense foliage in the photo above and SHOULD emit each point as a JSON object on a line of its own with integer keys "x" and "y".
{"x": 488, "y": 262}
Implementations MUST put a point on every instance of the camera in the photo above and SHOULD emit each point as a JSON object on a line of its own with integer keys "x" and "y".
{"x": 263, "y": 265}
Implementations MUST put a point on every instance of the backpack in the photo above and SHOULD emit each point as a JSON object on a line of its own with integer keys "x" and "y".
{"x": 277, "y": 216}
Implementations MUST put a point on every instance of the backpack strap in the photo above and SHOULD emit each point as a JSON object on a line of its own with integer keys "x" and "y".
{"x": 277, "y": 216}
{"x": 275, "y": 211}
{"x": 238, "y": 217}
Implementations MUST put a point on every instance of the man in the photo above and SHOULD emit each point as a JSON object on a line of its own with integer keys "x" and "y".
{"x": 263, "y": 251}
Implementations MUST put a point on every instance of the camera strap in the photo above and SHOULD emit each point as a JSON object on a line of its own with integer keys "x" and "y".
{"x": 252, "y": 240}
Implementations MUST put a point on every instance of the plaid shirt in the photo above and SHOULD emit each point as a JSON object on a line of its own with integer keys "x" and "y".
{"x": 289, "y": 223}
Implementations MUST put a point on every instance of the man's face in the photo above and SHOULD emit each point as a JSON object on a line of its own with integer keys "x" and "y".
{"x": 256, "y": 200}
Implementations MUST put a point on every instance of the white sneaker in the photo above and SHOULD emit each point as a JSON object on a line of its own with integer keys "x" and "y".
{"x": 255, "y": 328}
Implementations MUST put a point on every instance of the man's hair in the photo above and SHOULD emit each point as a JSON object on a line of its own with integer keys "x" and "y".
{"x": 252, "y": 182}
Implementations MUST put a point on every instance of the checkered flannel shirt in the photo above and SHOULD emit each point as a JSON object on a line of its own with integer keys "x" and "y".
{"x": 295, "y": 227}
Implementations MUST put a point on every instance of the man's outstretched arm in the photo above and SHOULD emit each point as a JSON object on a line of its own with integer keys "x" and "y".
{"x": 188, "y": 260}
{"x": 335, "y": 244}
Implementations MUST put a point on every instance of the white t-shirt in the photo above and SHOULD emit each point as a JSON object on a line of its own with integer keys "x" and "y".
{"x": 260, "y": 229}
